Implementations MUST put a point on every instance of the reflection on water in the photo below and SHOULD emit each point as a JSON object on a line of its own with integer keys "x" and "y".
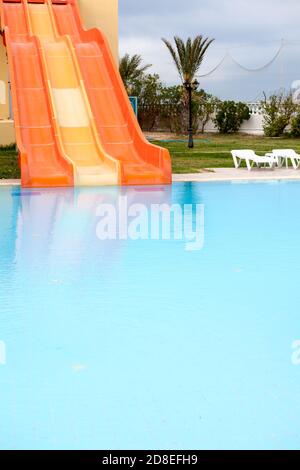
{"x": 62, "y": 223}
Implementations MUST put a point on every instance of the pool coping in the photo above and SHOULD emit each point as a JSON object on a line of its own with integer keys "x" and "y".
{"x": 216, "y": 175}
{"x": 238, "y": 174}
{"x": 10, "y": 182}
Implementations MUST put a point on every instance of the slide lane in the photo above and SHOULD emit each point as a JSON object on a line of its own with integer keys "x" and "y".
{"x": 42, "y": 163}
{"x": 117, "y": 127}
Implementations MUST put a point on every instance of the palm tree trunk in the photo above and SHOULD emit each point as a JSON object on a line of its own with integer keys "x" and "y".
{"x": 190, "y": 129}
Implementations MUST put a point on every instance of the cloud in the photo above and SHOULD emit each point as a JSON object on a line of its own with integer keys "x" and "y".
{"x": 250, "y": 30}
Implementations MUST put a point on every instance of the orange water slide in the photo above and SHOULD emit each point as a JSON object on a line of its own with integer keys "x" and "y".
{"x": 42, "y": 163}
{"x": 118, "y": 129}
{"x": 74, "y": 122}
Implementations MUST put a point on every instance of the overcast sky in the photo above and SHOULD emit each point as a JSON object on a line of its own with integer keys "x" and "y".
{"x": 249, "y": 30}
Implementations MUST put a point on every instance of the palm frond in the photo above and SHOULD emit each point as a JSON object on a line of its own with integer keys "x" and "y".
{"x": 131, "y": 69}
{"x": 188, "y": 56}
{"x": 174, "y": 55}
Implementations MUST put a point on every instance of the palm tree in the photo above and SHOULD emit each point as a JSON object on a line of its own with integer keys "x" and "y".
{"x": 131, "y": 69}
{"x": 188, "y": 57}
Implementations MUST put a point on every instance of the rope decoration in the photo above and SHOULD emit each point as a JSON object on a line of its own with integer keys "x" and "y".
{"x": 259, "y": 69}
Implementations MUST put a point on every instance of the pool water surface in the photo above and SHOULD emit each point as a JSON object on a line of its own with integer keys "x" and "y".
{"x": 141, "y": 343}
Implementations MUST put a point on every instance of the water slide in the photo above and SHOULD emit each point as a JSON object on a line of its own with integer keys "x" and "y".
{"x": 74, "y": 123}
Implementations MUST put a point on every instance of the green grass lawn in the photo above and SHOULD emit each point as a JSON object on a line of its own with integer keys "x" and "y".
{"x": 9, "y": 168}
{"x": 211, "y": 151}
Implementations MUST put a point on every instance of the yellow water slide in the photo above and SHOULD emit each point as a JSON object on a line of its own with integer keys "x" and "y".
{"x": 75, "y": 124}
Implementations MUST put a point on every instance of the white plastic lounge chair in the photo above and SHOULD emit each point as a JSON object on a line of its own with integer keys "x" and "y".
{"x": 286, "y": 155}
{"x": 251, "y": 159}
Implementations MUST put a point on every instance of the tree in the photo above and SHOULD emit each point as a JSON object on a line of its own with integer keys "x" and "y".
{"x": 149, "y": 89}
{"x": 230, "y": 116}
{"x": 172, "y": 108}
{"x": 278, "y": 111}
{"x": 295, "y": 124}
{"x": 207, "y": 105}
{"x": 132, "y": 70}
{"x": 188, "y": 57}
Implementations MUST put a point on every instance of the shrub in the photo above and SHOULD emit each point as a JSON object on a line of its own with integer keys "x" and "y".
{"x": 8, "y": 148}
{"x": 230, "y": 116}
{"x": 278, "y": 111}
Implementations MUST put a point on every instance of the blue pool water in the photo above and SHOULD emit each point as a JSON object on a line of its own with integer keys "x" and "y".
{"x": 140, "y": 343}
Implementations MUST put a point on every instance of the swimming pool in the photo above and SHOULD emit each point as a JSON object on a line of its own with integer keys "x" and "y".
{"x": 143, "y": 344}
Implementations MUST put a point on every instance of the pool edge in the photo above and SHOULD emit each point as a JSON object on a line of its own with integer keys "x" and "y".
{"x": 215, "y": 175}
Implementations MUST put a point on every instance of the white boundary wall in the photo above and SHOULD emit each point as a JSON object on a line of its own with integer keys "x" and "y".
{"x": 253, "y": 126}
